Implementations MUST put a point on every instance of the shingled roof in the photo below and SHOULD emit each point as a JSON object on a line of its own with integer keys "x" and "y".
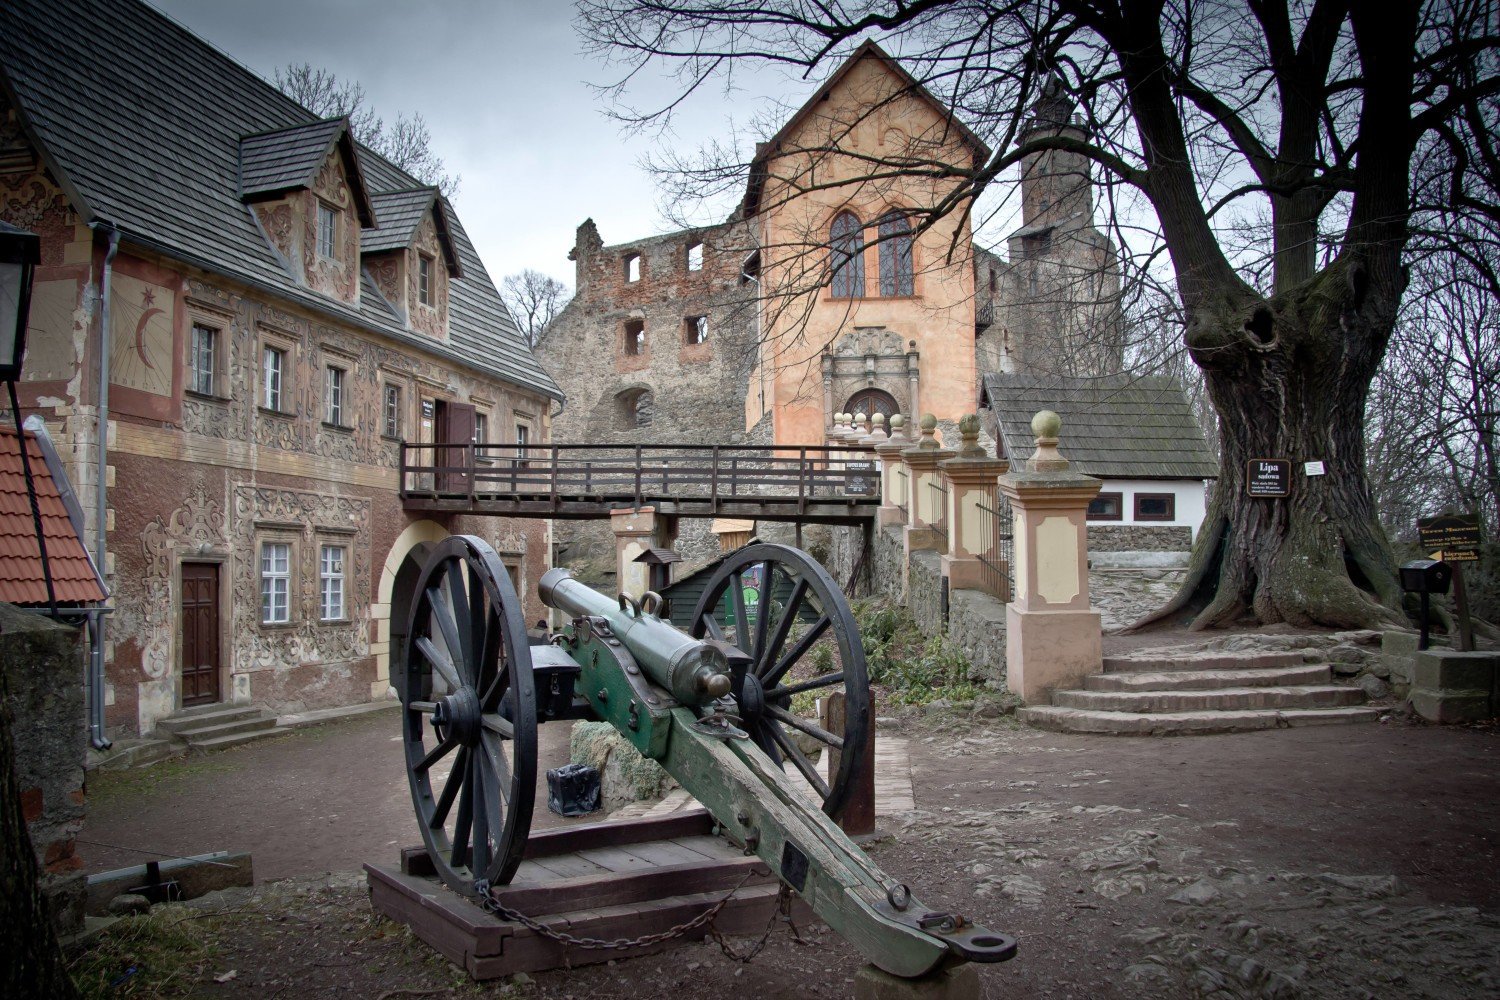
{"x": 1119, "y": 427}
{"x": 21, "y": 578}
{"x": 167, "y": 173}
{"x": 289, "y": 158}
{"x": 400, "y": 212}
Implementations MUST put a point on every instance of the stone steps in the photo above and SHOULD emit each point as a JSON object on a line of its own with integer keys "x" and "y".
{"x": 1202, "y": 680}
{"x": 1215, "y": 700}
{"x": 208, "y": 715}
{"x": 1074, "y": 720}
{"x": 1196, "y": 693}
{"x": 1202, "y": 661}
{"x": 232, "y": 740}
{"x": 214, "y": 727}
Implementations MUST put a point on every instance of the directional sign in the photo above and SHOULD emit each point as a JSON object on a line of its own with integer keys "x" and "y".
{"x": 1456, "y": 536}
{"x": 1268, "y": 477}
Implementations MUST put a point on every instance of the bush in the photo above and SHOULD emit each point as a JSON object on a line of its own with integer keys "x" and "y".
{"x": 910, "y": 668}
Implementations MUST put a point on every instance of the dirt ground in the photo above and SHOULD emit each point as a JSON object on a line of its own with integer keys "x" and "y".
{"x": 1338, "y": 861}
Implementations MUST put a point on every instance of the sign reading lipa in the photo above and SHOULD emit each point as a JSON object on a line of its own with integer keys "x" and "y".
{"x": 1268, "y": 477}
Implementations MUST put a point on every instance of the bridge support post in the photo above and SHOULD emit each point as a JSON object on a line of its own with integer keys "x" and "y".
{"x": 636, "y": 530}
{"x": 1052, "y": 636}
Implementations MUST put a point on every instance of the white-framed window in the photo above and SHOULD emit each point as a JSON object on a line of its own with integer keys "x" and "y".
{"x": 331, "y": 583}
{"x": 695, "y": 257}
{"x": 272, "y": 373}
{"x": 391, "y": 411}
{"x": 424, "y": 279}
{"x": 523, "y": 442}
{"x": 203, "y": 359}
{"x": 333, "y": 396}
{"x": 275, "y": 583}
{"x": 328, "y": 230}
{"x": 482, "y": 436}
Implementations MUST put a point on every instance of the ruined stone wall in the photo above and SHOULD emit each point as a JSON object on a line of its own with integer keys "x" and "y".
{"x": 43, "y": 664}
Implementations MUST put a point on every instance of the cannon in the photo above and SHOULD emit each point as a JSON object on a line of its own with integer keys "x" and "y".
{"x": 723, "y": 705}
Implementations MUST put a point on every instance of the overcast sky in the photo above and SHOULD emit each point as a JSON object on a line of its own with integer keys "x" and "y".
{"x": 504, "y": 88}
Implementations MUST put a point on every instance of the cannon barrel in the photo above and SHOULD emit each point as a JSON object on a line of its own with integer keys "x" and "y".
{"x": 695, "y": 671}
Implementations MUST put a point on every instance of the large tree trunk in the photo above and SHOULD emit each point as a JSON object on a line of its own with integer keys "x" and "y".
{"x": 31, "y": 964}
{"x": 1289, "y": 378}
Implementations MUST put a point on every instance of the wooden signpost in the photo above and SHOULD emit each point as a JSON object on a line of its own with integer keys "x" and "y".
{"x": 1454, "y": 539}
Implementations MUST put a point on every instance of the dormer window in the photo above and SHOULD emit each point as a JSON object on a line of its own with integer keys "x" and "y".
{"x": 328, "y": 228}
{"x": 424, "y": 279}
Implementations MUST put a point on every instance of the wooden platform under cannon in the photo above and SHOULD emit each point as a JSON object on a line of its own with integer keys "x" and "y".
{"x": 607, "y": 880}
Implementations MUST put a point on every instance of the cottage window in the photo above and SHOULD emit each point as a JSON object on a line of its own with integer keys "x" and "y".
{"x": 424, "y": 279}
{"x": 331, "y": 584}
{"x": 391, "y": 408}
{"x": 1106, "y": 507}
{"x": 272, "y": 367}
{"x": 523, "y": 443}
{"x": 895, "y": 255}
{"x": 633, "y": 267}
{"x": 328, "y": 229}
{"x": 1155, "y": 506}
{"x": 847, "y": 242}
{"x": 334, "y": 396}
{"x": 695, "y": 330}
{"x": 205, "y": 350}
{"x": 635, "y": 336}
{"x": 695, "y": 257}
{"x": 275, "y": 583}
{"x": 481, "y": 437}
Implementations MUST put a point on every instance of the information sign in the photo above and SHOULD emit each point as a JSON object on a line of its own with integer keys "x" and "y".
{"x": 861, "y": 479}
{"x": 1268, "y": 477}
{"x": 1455, "y": 537}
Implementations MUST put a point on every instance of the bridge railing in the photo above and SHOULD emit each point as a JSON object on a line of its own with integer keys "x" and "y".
{"x": 637, "y": 472}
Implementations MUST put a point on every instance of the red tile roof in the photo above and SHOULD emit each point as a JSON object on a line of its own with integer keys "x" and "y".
{"x": 21, "y": 580}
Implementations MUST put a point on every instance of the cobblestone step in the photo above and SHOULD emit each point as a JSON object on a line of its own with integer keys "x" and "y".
{"x": 1205, "y": 680}
{"x": 1076, "y": 720}
{"x": 1221, "y": 700}
{"x": 232, "y": 740}
{"x": 253, "y": 723}
{"x": 1202, "y": 661}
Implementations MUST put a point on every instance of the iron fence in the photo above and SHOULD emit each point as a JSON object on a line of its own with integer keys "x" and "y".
{"x": 939, "y": 520}
{"x": 996, "y": 537}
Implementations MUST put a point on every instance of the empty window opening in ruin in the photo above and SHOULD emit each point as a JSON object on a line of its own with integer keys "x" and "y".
{"x": 993, "y": 282}
{"x": 633, "y": 267}
{"x": 635, "y": 406}
{"x": 695, "y": 330}
{"x": 695, "y": 256}
{"x": 635, "y": 336}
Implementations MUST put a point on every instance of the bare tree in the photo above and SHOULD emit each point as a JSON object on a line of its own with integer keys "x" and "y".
{"x": 1257, "y": 157}
{"x": 406, "y": 142}
{"x": 534, "y": 300}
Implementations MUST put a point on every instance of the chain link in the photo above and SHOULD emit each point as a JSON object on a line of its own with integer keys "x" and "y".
{"x": 489, "y": 904}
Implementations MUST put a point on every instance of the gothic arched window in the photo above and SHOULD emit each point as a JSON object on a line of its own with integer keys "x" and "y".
{"x": 868, "y": 402}
{"x": 895, "y": 254}
{"x": 847, "y": 242}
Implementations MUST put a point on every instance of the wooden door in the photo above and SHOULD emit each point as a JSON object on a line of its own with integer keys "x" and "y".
{"x": 453, "y": 424}
{"x": 199, "y": 648}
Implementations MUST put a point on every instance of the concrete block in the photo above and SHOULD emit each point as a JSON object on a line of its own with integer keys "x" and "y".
{"x": 1446, "y": 670}
{"x": 1450, "y": 708}
{"x": 958, "y": 983}
{"x": 195, "y": 876}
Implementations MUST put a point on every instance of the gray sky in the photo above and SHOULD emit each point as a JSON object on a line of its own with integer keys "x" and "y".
{"x": 504, "y": 89}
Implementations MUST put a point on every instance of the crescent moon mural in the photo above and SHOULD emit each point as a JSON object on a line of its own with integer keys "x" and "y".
{"x": 142, "y": 334}
{"x": 140, "y": 337}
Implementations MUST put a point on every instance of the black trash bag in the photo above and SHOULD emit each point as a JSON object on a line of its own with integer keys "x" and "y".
{"x": 573, "y": 789}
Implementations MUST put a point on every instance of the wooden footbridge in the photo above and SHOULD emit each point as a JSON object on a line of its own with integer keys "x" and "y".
{"x": 808, "y": 484}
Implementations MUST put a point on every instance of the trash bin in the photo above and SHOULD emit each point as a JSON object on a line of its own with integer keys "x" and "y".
{"x": 573, "y": 789}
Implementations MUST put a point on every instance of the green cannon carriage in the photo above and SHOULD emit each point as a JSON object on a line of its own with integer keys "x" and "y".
{"x": 723, "y": 706}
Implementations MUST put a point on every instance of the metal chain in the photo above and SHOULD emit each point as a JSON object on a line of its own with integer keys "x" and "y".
{"x": 488, "y": 902}
{"x": 782, "y": 912}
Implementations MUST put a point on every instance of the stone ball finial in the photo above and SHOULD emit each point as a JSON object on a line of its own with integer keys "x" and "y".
{"x": 968, "y": 434}
{"x": 898, "y": 427}
{"x": 878, "y": 419}
{"x": 928, "y": 440}
{"x": 928, "y": 422}
{"x": 1046, "y": 425}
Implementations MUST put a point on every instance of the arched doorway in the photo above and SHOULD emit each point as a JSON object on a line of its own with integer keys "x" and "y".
{"x": 398, "y": 580}
{"x": 868, "y": 402}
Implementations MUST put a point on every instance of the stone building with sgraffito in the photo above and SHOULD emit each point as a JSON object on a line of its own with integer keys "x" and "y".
{"x": 250, "y": 313}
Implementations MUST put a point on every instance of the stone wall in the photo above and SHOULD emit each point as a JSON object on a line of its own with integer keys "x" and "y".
{"x": 889, "y": 562}
{"x": 43, "y": 663}
{"x": 924, "y": 592}
{"x": 1140, "y": 538}
{"x": 976, "y": 623}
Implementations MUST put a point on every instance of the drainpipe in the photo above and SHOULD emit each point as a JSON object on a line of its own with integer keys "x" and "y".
{"x": 101, "y": 505}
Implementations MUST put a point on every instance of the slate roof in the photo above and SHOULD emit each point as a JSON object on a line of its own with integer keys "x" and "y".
{"x": 140, "y": 122}
{"x": 21, "y": 579}
{"x": 1119, "y": 427}
{"x": 400, "y": 213}
{"x": 290, "y": 158}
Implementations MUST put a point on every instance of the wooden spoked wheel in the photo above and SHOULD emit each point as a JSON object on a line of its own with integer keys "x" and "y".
{"x": 469, "y": 715}
{"x": 783, "y": 611}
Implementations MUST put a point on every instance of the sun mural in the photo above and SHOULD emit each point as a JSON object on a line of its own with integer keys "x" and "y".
{"x": 140, "y": 354}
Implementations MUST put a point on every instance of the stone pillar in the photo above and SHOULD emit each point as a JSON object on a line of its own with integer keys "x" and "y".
{"x": 970, "y": 479}
{"x": 892, "y": 493}
{"x": 921, "y": 499}
{"x": 636, "y": 530}
{"x": 1052, "y": 635}
{"x": 913, "y": 378}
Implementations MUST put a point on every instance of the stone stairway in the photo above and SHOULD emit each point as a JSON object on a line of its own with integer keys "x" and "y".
{"x": 214, "y": 727}
{"x": 1197, "y": 693}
